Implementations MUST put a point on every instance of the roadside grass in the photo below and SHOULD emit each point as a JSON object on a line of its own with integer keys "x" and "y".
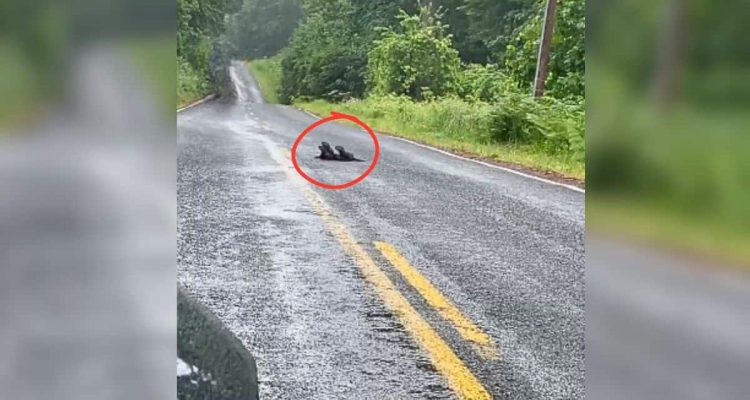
{"x": 268, "y": 73}
{"x": 450, "y": 124}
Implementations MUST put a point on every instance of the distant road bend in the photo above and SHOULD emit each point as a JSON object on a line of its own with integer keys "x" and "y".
{"x": 434, "y": 278}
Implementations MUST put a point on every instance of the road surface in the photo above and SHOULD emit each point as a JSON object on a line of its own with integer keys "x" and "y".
{"x": 661, "y": 326}
{"x": 434, "y": 278}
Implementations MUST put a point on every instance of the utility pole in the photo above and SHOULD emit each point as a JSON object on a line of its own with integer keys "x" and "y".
{"x": 542, "y": 61}
{"x": 669, "y": 58}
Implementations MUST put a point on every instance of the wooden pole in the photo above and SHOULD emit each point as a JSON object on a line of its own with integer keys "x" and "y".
{"x": 542, "y": 61}
{"x": 670, "y": 55}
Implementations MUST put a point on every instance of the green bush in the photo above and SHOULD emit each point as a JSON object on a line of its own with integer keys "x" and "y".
{"x": 552, "y": 125}
{"x": 418, "y": 62}
{"x": 463, "y": 126}
{"x": 262, "y": 28}
{"x": 191, "y": 84}
{"x": 567, "y": 63}
{"x": 202, "y": 49}
{"x": 323, "y": 59}
{"x": 511, "y": 122}
{"x": 548, "y": 125}
{"x": 479, "y": 82}
{"x": 447, "y": 117}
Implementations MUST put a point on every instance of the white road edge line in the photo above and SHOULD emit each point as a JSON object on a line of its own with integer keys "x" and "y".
{"x": 512, "y": 171}
{"x": 197, "y": 103}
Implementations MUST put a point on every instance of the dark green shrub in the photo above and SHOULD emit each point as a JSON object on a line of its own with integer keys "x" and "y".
{"x": 511, "y": 122}
{"x": 567, "y": 64}
{"x": 262, "y": 27}
{"x": 324, "y": 58}
{"x": 487, "y": 83}
{"x": 418, "y": 61}
{"x": 552, "y": 125}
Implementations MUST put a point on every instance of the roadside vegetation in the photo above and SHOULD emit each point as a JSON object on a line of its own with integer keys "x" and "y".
{"x": 441, "y": 73}
{"x": 457, "y": 74}
{"x": 449, "y": 123}
{"x": 452, "y": 124}
{"x": 267, "y": 71}
{"x": 202, "y": 49}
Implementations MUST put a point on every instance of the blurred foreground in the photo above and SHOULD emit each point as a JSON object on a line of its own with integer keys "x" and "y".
{"x": 668, "y": 210}
{"x": 87, "y": 211}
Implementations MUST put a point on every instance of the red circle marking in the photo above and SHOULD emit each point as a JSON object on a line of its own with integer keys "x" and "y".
{"x": 334, "y": 116}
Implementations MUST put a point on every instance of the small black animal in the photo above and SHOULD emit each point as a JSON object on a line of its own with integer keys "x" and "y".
{"x": 326, "y": 152}
{"x": 345, "y": 155}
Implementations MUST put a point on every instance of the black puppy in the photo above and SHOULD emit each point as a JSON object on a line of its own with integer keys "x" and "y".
{"x": 345, "y": 155}
{"x": 326, "y": 152}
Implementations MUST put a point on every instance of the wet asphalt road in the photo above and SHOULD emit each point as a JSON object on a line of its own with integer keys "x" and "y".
{"x": 664, "y": 327}
{"x": 505, "y": 249}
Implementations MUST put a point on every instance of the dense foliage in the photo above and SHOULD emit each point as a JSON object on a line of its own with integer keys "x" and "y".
{"x": 262, "y": 27}
{"x": 201, "y": 55}
{"x": 496, "y": 22}
{"x": 567, "y": 61}
{"x": 324, "y": 59}
{"x": 553, "y": 126}
{"x": 479, "y": 82}
{"x": 500, "y": 32}
{"x": 427, "y": 63}
{"x": 327, "y": 54}
{"x": 474, "y": 55}
{"x": 418, "y": 54}
{"x": 328, "y": 44}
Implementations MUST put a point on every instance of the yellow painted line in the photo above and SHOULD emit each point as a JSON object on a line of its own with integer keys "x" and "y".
{"x": 459, "y": 378}
{"x": 434, "y": 297}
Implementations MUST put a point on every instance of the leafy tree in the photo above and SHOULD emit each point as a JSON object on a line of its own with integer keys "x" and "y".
{"x": 342, "y": 46}
{"x": 199, "y": 25}
{"x": 198, "y": 19}
{"x": 471, "y": 48}
{"x": 325, "y": 57}
{"x": 417, "y": 61}
{"x": 496, "y": 22}
{"x": 373, "y": 14}
{"x": 486, "y": 83}
{"x": 263, "y": 27}
{"x": 567, "y": 60}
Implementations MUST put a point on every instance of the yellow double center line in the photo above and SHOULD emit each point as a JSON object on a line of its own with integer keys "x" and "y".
{"x": 460, "y": 379}
{"x": 432, "y": 295}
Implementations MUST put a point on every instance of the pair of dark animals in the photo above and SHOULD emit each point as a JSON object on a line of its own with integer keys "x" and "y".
{"x": 327, "y": 153}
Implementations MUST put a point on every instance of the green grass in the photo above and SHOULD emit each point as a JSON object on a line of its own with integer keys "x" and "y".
{"x": 449, "y": 124}
{"x": 268, "y": 73}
